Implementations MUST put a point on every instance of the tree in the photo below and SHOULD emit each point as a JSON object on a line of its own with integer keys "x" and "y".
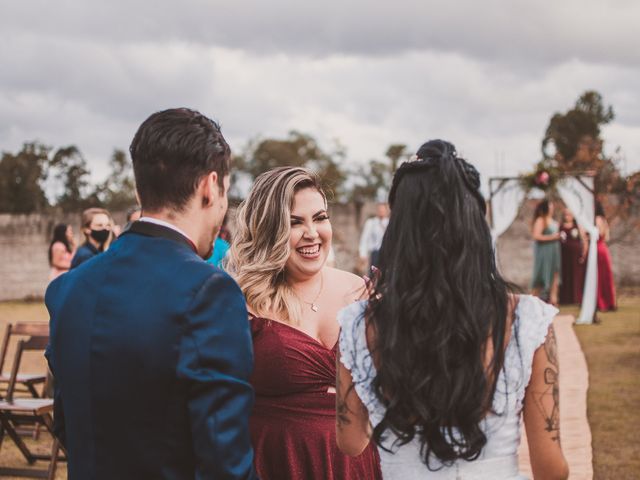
{"x": 118, "y": 191}
{"x": 395, "y": 153}
{"x": 373, "y": 181}
{"x": 578, "y": 147}
{"x": 576, "y": 133}
{"x": 297, "y": 150}
{"x": 21, "y": 177}
{"x": 70, "y": 168}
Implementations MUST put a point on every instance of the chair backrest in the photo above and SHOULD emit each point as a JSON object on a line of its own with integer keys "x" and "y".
{"x": 37, "y": 339}
{"x": 38, "y": 329}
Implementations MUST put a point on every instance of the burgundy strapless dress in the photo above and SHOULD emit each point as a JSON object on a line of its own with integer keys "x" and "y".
{"x": 293, "y": 420}
{"x": 606, "y": 287}
{"x": 573, "y": 271}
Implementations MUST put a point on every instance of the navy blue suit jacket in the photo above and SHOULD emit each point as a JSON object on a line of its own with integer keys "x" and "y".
{"x": 151, "y": 352}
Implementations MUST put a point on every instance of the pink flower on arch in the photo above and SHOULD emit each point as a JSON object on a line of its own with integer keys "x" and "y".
{"x": 543, "y": 178}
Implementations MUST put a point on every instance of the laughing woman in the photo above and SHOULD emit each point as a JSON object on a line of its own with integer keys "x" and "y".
{"x": 278, "y": 257}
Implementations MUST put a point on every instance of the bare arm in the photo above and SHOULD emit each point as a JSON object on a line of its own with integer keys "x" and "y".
{"x": 353, "y": 429}
{"x": 585, "y": 243}
{"x": 603, "y": 228}
{"x": 538, "y": 236}
{"x": 542, "y": 413}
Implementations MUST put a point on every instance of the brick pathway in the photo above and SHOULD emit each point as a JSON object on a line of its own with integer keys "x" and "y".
{"x": 574, "y": 382}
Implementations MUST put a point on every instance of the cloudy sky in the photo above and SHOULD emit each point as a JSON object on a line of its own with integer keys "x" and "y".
{"x": 485, "y": 75}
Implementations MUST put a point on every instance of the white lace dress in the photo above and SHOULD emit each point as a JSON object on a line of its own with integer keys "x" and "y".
{"x": 499, "y": 458}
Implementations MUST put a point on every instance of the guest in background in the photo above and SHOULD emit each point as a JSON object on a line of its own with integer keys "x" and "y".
{"x": 372, "y": 234}
{"x": 96, "y": 227}
{"x": 220, "y": 246}
{"x": 606, "y": 287}
{"x": 225, "y": 233}
{"x": 278, "y": 257}
{"x": 133, "y": 215}
{"x": 546, "y": 254}
{"x": 61, "y": 250}
{"x": 573, "y": 248}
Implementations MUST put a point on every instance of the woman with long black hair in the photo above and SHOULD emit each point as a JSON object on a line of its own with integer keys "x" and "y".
{"x": 439, "y": 365}
{"x": 61, "y": 250}
{"x": 547, "y": 266}
{"x": 606, "y": 286}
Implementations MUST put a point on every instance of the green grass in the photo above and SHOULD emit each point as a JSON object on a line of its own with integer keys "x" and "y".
{"x": 612, "y": 350}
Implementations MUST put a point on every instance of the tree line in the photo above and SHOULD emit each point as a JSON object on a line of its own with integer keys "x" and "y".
{"x": 572, "y": 143}
{"x": 28, "y": 175}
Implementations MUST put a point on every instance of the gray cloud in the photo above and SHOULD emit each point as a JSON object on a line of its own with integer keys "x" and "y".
{"x": 521, "y": 31}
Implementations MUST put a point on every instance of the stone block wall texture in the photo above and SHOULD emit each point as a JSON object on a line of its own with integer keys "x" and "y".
{"x": 24, "y": 240}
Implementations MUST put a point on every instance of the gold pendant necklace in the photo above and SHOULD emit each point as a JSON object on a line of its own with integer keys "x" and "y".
{"x": 314, "y": 306}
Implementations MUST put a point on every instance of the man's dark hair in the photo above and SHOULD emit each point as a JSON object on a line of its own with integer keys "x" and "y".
{"x": 171, "y": 152}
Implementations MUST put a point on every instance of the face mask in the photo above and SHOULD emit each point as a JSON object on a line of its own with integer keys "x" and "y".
{"x": 100, "y": 236}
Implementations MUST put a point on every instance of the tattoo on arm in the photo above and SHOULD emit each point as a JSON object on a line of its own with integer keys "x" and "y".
{"x": 552, "y": 388}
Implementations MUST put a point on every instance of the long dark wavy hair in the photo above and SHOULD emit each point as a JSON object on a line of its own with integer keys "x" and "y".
{"x": 541, "y": 210}
{"x": 437, "y": 303}
{"x": 59, "y": 235}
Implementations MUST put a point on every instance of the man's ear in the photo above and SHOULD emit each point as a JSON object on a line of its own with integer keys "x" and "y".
{"x": 209, "y": 188}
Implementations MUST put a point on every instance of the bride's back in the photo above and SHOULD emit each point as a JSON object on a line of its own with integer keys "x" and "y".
{"x": 498, "y": 458}
{"x": 436, "y": 312}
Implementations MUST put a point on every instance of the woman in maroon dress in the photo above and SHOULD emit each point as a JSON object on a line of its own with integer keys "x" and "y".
{"x": 278, "y": 257}
{"x": 606, "y": 287}
{"x": 574, "y": 246}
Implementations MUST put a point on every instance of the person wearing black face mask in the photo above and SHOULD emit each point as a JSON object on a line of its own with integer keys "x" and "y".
{"x": 96, "y": 226}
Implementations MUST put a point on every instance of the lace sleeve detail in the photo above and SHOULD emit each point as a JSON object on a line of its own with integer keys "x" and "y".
{"x": 355, "y": 357}
{"x": 533, "y": 321}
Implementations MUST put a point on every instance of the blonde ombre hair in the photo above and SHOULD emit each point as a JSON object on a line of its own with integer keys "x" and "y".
{"x": 260, "y": 248}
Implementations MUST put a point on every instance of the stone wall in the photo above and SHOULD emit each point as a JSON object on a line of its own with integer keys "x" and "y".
{"x": 24, "y": 240}
{"x": 24, "y": 259}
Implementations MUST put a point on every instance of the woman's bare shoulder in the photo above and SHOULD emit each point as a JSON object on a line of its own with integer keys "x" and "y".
{"x": 343, "y": 277}
{"x": 59, "y": 247}
{"x": 340, "y": 282}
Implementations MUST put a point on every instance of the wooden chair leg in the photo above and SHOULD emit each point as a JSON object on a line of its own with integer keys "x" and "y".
{"x": 54, "y": 459}
{"x": 17, "y": 440}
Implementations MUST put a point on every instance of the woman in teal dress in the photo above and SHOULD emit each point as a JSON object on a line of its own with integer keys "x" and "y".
{"x": 545, "y": 282}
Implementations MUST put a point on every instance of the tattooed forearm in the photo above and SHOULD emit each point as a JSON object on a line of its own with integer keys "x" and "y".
{"x": 551, "y": 347}
{"x": 551, "y": 413}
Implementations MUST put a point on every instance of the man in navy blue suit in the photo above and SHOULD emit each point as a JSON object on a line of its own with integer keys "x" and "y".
{"x": 150, "y": 346}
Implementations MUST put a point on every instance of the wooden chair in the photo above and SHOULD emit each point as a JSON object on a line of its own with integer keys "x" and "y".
{"x": 26, "y": 381}
{"x": 14, "y": 411}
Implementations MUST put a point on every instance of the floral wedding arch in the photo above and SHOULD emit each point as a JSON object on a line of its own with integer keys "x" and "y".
{"x": 576, "y": 191}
